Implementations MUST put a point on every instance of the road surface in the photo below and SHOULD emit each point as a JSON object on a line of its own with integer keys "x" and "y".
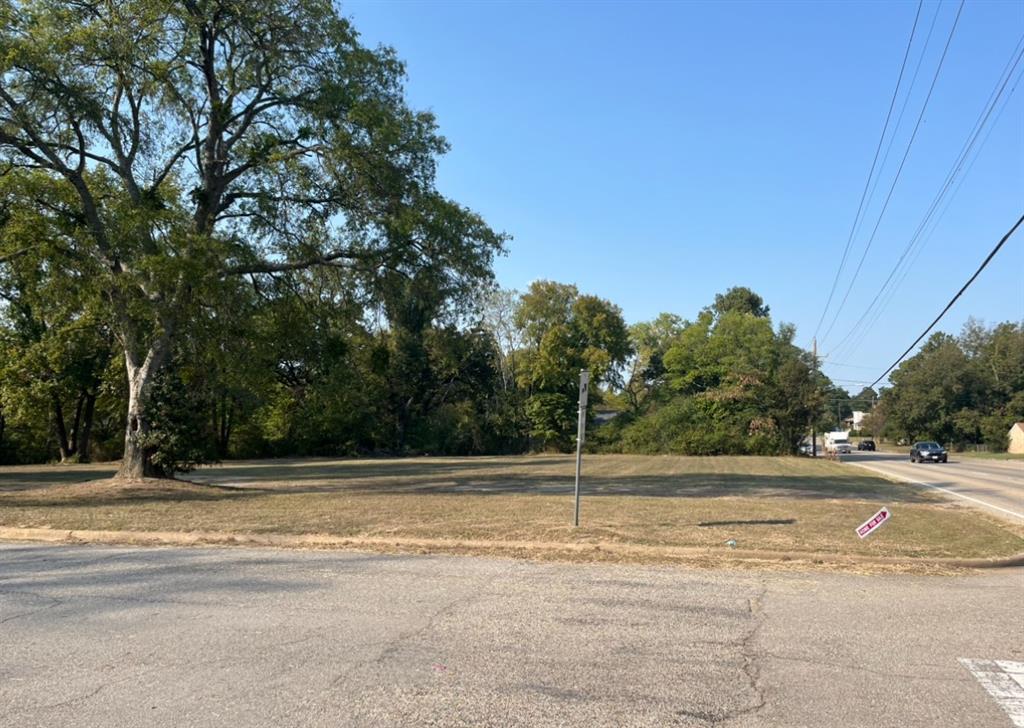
{"x": 996, "y": 486}
{"x": 103, "y": 636}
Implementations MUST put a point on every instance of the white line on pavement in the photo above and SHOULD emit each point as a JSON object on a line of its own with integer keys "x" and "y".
{"x": 1004, "y": 681}
{"x": 938, "y": 487}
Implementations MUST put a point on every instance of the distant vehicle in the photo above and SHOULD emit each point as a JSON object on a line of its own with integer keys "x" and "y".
{"x": 838, "y": 443}
{"x": 928, "y": 451}
{"x": 805, "y": 448}
{"x": 866, "y": 445}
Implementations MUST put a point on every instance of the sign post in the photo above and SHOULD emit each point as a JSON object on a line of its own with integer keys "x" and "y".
{"x": 581, "y": 430}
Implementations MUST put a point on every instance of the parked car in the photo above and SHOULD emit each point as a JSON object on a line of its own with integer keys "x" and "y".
{"x": 866, "y": 445}
{"x": 928, "y": 451}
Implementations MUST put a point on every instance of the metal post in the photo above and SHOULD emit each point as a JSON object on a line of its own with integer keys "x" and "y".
{"x": 814, "y": 433}
{"x": 581, "y": 430}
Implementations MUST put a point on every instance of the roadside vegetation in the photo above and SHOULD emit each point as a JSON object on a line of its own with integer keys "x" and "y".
{"x": 963, "y": 391}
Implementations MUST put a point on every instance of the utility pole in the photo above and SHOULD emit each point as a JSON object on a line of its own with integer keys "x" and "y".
{"x": 814, "y": 434}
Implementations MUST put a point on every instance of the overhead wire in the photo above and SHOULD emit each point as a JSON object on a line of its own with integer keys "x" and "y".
{"x": 953, "y": 300}
{"x": 906, "y": 272}
{"x": 918, "y": 240}
{"x": 899, "y": 171}
{"x": 905, "y": 104}
{"x": 871, "y": 172}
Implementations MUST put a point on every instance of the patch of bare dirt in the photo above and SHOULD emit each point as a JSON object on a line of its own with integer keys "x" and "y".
{"x": 116, "y": 489}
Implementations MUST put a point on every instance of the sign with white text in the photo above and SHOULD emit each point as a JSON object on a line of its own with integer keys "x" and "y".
{"x": 874, "y": 523}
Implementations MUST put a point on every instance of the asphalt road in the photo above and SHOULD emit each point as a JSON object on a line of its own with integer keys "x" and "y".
{"x": 997, "y": 486}
{"x": 102, "y": 636}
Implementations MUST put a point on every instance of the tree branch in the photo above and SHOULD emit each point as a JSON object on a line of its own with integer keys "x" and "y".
{"x": 266, "y": 266}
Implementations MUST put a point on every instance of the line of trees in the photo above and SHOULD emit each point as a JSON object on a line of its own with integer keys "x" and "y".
{"x": 299, "y": 365}
{"x": 302, "y": 365}
{"x": 220, "y": 236}
{"x": 961, "y": 390}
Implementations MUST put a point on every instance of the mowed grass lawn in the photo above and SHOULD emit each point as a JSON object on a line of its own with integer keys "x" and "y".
{"x": 634, "y": 508}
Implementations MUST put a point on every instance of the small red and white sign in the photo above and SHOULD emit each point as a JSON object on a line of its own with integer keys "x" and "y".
{"x": 874, "y": 523}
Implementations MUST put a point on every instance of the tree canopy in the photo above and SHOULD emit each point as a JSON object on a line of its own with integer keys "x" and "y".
{"x": 221, "y": 236}
{"x": 963, "y": 390}
{"x": 188, "y": 146}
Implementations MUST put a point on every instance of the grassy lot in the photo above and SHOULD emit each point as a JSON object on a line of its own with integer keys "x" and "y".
{"x": 635, "y": 508}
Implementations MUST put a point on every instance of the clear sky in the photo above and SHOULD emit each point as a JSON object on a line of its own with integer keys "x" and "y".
{"x": 658, "y": 153}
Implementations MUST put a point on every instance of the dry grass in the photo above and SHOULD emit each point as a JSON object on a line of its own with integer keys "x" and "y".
{"x": 633, "y": 505}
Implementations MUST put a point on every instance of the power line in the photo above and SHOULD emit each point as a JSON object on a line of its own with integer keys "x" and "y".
{"x": 954, "y": 299}
{"x": 871, "y": 172}
{"x": 958, "y": 164}
{"x": 853, "y": 345}
{"x": 899, "y": 171}
{"x": 906, "y": 102}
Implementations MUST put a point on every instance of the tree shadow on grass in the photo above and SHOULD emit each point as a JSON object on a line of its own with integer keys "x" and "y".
{"x": 479, "y": 484}
{"x": 24, "y": 478}
{"x": 760, "y": 522}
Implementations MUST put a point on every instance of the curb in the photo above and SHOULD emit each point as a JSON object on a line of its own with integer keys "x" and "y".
{"x": 521, "y": 549}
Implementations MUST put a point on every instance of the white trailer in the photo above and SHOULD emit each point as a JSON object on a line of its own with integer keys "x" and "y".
{"x": 838, "y": 443}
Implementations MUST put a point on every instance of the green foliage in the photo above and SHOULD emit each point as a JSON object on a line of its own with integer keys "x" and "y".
{"x": 739, "y": 300}
{"x": 191, "y": 144}
{"x": 727, "y": 384}
{"x": 964, "y": 390}
{"x": 54, "y": 340}
{"x": 179, "y": 439}
{"x": 566, "y": 332}
{"x": 650, "y": 341}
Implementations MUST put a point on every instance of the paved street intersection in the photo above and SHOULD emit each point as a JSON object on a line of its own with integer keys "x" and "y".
{"x": 101, "y": 636}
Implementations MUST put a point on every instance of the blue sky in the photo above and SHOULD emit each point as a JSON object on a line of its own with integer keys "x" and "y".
{"x": 658, "y": 153}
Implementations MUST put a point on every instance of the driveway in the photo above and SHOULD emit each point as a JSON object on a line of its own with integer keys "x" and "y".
{"x": 996, "y": 486}
{"x": 100, "y": 636}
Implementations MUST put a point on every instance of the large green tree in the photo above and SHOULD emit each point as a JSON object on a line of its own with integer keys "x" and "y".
{"x": 56, "y": 340}
{"x": 962, "y": 390}
{"x": 740, "y": 299}
{"x": 203, "y": 141}
{"x": 650, "y": 340}
{"x": 730, "y": 384}
{"x": 930, "y": 389}
{"x": 566, "y": 331}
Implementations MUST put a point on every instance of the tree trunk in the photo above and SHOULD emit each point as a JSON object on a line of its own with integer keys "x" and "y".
{"x": 86, "y": 433}
{"x": 59, "y": 431}
{"x": 137, "y": 460}
{"x": 223, "y": 424}
{"x": 76, "y": 454}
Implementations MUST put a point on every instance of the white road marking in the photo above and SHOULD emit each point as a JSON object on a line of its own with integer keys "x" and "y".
{"x": 1004, "y": 681}
{"x": 939, "y": 487}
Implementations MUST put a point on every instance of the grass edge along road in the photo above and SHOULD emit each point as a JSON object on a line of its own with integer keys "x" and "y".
{"x": 636, "y": 509}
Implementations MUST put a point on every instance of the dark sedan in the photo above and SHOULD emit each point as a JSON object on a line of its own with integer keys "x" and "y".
{"x": 925, "y": 452}
{"x": 866, "y": 445}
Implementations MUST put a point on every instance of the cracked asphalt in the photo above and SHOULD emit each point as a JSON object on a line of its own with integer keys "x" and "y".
{"x": 103, "y": 636}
